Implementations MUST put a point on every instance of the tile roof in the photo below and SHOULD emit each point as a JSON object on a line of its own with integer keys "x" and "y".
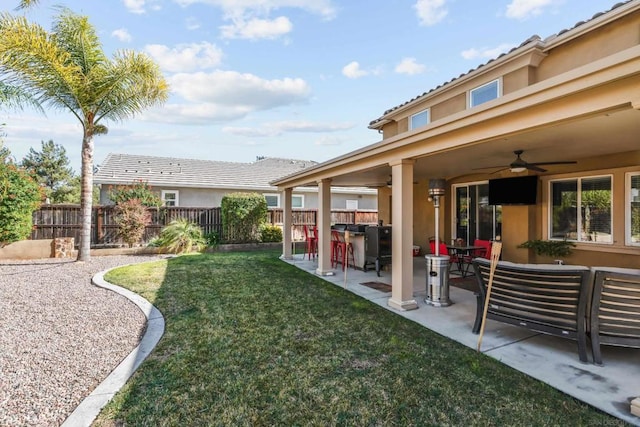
{"x": 532, "y": 39}
{"x": 177, "y": 172}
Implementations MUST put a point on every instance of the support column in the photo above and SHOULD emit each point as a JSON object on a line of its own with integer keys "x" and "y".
{"x": 402, "y": 236}
{"x": 287, "y": 223}
{"x": 324, "y": 228}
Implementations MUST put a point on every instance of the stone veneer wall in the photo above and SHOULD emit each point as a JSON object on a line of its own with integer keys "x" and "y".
{"x": 63, "y": 247}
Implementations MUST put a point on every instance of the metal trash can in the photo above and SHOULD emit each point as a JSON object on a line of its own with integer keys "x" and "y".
{"x": 437, "y": 280}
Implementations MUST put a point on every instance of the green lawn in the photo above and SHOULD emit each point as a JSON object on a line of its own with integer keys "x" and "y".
{"x": 251, "y": 340}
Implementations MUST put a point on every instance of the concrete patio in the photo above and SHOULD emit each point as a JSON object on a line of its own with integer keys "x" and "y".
{"x": 552, "y": 360}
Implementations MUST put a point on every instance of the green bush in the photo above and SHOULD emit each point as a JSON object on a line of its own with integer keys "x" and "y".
{"x": 140, "y": 190}
{"x": 132, "y": 218}
{"x": 242, "y": 216}
{"x": 270, "y": 233}
{"x": 552, "y": 248}
{"x": 181, "y": 236}
{"x": 20, "y": 195}
{"x": 212, "y": 239}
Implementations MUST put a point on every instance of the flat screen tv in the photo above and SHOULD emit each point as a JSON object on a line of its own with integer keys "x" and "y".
{"x": 521, "y": 190}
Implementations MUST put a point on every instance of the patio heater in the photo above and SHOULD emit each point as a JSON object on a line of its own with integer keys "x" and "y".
{"x": 437, "y": 264}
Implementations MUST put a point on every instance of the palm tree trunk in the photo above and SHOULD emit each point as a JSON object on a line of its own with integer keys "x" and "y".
{"x": 86, "y": 196}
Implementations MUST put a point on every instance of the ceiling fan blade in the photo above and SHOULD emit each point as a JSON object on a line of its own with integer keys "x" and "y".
{"x": 533, "y": 167}
{"x": 554, "y": 163}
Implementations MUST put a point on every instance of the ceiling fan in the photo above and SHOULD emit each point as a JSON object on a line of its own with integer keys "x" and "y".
{"x": 519, "y": 165}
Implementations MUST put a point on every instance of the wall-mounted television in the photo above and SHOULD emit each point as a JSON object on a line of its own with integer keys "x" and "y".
{"x": 521, "y": 190}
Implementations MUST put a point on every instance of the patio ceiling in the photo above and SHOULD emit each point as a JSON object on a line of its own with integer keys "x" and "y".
{"x": 612, "y": 132}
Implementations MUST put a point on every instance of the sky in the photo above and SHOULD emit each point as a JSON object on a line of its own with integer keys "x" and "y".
{"x": 296, "y": 79}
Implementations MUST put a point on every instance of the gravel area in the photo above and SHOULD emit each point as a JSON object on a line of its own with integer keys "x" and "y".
{"x": 60, "y": 336}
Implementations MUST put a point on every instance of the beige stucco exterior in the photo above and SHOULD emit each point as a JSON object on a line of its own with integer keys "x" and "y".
{"x": 571, "y": 97}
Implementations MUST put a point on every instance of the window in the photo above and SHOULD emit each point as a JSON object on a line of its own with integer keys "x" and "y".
{"x": 297, "y": 201}
{"x": 352, "y": 205}
{"x": 474, "y": 217}
{"x": 169, "y": 197}
{"x": 581, "y": 209}
{"x": 273, "y": 200}
{"x": 484, "y": 93}
{"x": 419, "y": 119}
{"x": 633, "y": 209}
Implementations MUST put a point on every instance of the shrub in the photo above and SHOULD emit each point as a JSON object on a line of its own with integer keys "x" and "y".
{"x": 212, "y": 239}
{"x": 20, "y": 195}
{"x": 270, "y": 233}
{"x": 181, "y": 236}
{"x": 242, "y": 215}
{"x": 137, "y": 190}
{"x": 552, "y": 248}
{"x": 132, "y": 218}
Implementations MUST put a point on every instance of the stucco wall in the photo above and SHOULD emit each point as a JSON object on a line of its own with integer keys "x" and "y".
{"x": 201, "y": 197}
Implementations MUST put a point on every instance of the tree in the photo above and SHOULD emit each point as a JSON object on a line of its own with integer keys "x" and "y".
{"x": 51, "y": 167}
{"x": 25, "y": 4}
{"x": 20, "y": 195}
{"x": 67, "y": 69}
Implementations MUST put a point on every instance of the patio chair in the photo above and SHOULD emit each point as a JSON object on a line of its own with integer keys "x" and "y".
{"x": 311, "y": 239}
{"x": 615, "y": 310}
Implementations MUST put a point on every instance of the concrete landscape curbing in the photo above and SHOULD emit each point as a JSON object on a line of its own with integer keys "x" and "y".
{"x": 90, "y": 407}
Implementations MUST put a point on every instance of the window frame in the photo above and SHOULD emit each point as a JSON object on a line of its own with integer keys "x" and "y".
{"x": 627, "y": 209}
{"x": 176, "y": 201}
{"x": 498, "y": 83}
{"x": 426, "y": 112}
{"x": 276, "y": 195}
{"x": 299, "y": 196}
{"x": 578, "y": 181}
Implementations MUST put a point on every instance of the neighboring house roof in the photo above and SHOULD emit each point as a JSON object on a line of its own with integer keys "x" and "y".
{"x": 375, "y": 124}
{"x": 124, "y": 169}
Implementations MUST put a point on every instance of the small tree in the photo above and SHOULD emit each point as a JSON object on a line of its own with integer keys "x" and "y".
{"x": 140, "y": 190}
{"x": 20, "y": 195}
{"x": 51, "y": 167}
{"x": 242, "y": 216}
{"x": 132, "y": 217}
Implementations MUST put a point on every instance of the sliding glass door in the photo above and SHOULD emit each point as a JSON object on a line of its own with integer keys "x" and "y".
{"x": 473, "y": 217}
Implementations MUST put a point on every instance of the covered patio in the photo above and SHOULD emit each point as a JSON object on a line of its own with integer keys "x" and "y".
{"x": 552, "y": 360}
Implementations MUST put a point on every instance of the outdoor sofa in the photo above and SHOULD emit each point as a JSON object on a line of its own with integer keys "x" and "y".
{"x": 576, "y": 302}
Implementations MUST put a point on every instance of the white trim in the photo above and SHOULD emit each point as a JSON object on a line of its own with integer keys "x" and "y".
{"x": 578, "y": 181}
{"x": 427, "y": 112}
{"x": 301, "y": 197}
{"x": 498, "y": 83}
{"x": 176, "y": 201}
{"x": 276, "y": 195}
{"x": 627, "y": 208}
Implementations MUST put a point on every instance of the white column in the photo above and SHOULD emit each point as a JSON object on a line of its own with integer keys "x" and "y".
{"x": 324, "y": 228}
{"x": 287, "y": 223}
{"x": 402, "y": 236}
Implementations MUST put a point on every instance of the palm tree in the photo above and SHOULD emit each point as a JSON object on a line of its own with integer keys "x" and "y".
{"x": 67, "y": 69}
{"x": 25, "y": 4}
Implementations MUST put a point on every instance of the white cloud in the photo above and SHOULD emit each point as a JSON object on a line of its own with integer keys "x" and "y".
{"x": 278, "y": 128}
{"x": 487, "y": 53}
{"x": 236, "y": 90}
{"x": 353, "y": 71}
{"x": 523, "y": 9}
{"x": 238, "y": 8}
{"x": 430, "y": 12}
{"x": 135, "y": 6}
{"x": 257, "y": 28}
{"x": 140, "y": 6}
{"x": 122, "y": 34}
{"x": 185, "y": 57}
{"x": 409, "y": 66}
{"x": 204, "y": 113}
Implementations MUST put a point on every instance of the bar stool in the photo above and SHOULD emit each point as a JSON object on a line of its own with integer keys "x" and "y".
{"x": 311, "y": 237}
{"x": 337, "y": 248}
{"x": 345, "y": 250}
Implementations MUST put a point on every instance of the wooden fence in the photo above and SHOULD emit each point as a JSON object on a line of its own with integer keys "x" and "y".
{"x": 52, "y": 221}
